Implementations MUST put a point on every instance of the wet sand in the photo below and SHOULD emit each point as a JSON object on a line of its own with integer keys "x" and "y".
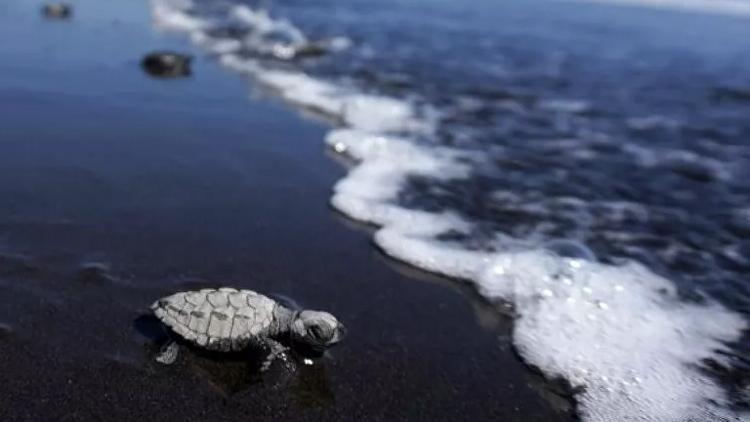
{"x": 116, "y": 188}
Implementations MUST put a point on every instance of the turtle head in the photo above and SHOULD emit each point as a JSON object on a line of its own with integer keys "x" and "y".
{"x": 317, "y": 330}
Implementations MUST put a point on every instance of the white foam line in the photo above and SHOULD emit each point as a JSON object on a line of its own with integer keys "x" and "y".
{"x": 261, "y": 22}
{"x": 369, "y": 113}
{"x": 171, "y": 15}
{"x": 618, "y": 334}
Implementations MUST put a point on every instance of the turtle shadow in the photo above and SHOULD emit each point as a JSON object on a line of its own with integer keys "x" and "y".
{"x": 230, "y": 373}
{"x": 310, "y": 387}
{"x": 233, "y": 373}
{"x": 151, "y": 328}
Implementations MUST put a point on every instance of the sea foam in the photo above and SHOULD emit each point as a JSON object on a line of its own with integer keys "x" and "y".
{"x": 171, "y": 15}
{"x": 620, "y": 336}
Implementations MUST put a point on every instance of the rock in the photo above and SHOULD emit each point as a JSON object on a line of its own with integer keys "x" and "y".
{"x": 311, "y": 49}
{"x": 301, "y": 50}
{"x": 167, "y": 64}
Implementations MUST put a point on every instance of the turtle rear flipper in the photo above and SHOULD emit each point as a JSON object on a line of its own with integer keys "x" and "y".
{"x": 168, "y": 353}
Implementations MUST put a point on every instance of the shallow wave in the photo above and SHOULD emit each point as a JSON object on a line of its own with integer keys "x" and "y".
{"x": 619, "y": 335}
{"x": 729, "y": 7}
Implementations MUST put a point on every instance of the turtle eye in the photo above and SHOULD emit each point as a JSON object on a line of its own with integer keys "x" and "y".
{"x": 316, "y": 332}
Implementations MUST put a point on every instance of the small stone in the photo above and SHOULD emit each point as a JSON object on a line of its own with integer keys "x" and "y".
{"x": 310, "y": 49}
{"x": 300, "y": 51}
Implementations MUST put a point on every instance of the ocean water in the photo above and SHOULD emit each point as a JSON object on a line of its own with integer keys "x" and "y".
{"x": 584, "y": 165}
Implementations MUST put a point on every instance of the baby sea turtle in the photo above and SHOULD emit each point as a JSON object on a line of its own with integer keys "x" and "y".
{"x": 57, "y": 11}
{"x": 167, "y": 64}
{"x": 228, "y": 319}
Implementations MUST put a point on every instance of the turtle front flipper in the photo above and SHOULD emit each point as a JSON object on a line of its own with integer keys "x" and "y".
{"x": 276, "y": 350}
{"x": 168, "y": 353}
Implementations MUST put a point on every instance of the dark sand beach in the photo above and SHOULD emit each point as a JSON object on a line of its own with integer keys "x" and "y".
{"x": 116, "y": 189}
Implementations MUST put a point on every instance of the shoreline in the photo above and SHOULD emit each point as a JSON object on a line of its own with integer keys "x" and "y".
{"x": 162, "y": 185}
{"x": 572, "y": 310}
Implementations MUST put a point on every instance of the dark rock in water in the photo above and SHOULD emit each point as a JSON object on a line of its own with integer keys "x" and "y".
{"x": 166, "y": 64}
{"x": 311, "y": 49}
{"x": 57, "y": 11}
{"x": 301, "y": 51}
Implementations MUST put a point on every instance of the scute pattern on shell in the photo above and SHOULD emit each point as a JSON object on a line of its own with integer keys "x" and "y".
{"x": 218, "y": 319}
